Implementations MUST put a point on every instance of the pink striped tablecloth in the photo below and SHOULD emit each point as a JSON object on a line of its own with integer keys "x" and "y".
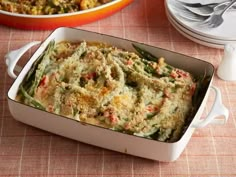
{"x": 28, "y": 151}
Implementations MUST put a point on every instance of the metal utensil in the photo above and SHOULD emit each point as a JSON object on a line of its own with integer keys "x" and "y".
{"x": 196, "y": 4}
{"x": 216, "y": 19}
{"x": 185, "y": 13}
{"x": 206, "y": 10}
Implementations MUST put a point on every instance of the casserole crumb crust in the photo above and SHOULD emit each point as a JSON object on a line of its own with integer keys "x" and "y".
{"x": 106, "y": 86}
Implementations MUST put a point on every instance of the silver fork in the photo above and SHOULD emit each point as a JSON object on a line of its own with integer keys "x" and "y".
{"x": 216, "y": 19}
{"x": 207, "y": 10}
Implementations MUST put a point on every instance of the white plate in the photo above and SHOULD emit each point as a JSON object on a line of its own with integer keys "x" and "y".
{"x": 192, "y": 38}
{"x": 224, "y": 32}
{"x": 205, "y": 43}
{"x": 195, "y": 35}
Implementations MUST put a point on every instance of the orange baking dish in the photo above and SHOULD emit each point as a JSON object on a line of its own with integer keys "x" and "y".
{"x": 46, "y": 22}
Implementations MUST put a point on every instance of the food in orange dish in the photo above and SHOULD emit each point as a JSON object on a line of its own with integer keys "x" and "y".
{"x": 43, "y": 7}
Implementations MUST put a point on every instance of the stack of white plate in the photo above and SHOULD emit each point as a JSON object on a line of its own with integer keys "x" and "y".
{"x": 211, "y": 37}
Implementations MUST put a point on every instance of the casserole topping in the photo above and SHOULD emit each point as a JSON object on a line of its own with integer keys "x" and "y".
{"x": 110, "y": 87}
{"x": 43, "y": 7}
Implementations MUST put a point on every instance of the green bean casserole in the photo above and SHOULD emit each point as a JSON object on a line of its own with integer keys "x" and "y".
{"x": 103, "y": 85}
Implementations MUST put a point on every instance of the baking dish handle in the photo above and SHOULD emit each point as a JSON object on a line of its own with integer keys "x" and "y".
{"x": 13, "y": 57}
{"x": 218, "y": 109}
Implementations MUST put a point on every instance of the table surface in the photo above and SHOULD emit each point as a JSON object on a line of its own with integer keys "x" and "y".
{"x": 28, "y": 151}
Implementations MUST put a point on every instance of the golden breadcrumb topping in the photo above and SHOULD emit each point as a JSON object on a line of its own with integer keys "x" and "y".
{"x": 110, "y": 87}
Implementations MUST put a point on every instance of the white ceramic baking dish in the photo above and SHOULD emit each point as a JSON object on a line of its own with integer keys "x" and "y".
{"x": 102, "y": 137}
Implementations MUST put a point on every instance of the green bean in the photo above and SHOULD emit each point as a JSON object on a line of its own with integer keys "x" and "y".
{"x": 80, "y": 51}
{"x": 57, "y": 99}
{"x": 147, "y": 55}
{"x": 30, "y": 99}
{"x": 149, "y": 69}
{"x": 151, "y": 115}
{"x": 150, "y": 57}
{"x": 41, "y": 67}
{"x": 27, "y": 82}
